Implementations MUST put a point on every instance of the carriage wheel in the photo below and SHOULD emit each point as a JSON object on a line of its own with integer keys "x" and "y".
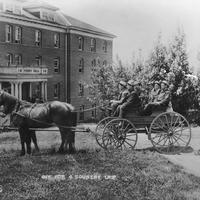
{"x": 119, "y": 133}
{"x": 170, "y": 133}
{"x": 99, "y": 130}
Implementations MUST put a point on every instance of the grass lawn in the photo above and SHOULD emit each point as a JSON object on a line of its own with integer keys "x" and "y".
{"x": 135, "y": 175}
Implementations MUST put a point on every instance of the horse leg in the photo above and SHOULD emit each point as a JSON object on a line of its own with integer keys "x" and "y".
{"x": 63, "y": 138}
{"x": 28, "y": 143}
{"x": 22, "y": 138}
{"x": 34, "y": 139}
{"x": 70, "y": 141}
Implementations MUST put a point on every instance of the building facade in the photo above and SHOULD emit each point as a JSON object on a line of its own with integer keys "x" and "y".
{"x": 46, "y": 55}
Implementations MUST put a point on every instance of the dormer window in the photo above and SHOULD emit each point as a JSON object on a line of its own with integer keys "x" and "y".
{"x": 38, "y": 36}
{"x": 48, "y": 16}
{"x": 45, "y": 15}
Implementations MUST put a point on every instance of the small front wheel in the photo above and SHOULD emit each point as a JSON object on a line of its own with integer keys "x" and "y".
{"x": 119, "y": 133}
{"x": 99, "y": 130}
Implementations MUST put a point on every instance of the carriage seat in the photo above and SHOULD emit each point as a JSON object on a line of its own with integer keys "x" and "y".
{"x": 161, "y": 109}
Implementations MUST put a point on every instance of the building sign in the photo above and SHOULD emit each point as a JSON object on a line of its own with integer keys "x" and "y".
{"x": 29, "y": 70}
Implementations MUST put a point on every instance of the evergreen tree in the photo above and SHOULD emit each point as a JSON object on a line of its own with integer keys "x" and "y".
{"x": 101, "y": 85}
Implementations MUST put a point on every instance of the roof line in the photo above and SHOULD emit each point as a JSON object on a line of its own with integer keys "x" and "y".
{"x": 65, "y": 19}
{"x": 92, "y": 31}
{"x": 33, "y": 20}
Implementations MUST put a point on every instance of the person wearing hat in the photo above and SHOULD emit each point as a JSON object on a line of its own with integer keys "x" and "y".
{"x": 154, "y": 92}
{"x": 161, "y": 101}
{"x": 122, "y": 95}
{"x": 132, "y": 101}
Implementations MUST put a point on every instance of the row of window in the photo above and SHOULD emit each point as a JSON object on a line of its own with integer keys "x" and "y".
{"x": 92, "y": 44}
{"x": 94, "y": 63}
{"x": 14, "y": 34}
{"x": 16, "y": 59}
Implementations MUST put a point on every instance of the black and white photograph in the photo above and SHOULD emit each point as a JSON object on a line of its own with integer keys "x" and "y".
{"x": 99, "y": 100}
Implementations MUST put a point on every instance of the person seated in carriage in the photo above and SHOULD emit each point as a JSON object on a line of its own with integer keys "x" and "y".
{"x": 122, "y": 95}
{"x": 154, "y": 92}
{"x": 132, "y": 101}
{"x": 160, "y": 101}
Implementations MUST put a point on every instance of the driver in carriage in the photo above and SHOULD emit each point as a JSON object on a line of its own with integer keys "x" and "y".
{"x": 160, "y": 101}
{"x": 122, "y": 95}
{"x": 132, "y": 101}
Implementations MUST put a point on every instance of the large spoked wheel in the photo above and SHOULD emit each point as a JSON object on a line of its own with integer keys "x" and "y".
{"x": 170, "y": 133}
{"x": 119, "y": 133}
{"x": 99, "y": 130}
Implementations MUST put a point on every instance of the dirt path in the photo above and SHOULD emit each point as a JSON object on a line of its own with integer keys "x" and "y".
{"x": 189, "y": 161}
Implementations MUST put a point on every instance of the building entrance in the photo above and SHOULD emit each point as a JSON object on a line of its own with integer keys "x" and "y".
{"x": 26, "y": 91}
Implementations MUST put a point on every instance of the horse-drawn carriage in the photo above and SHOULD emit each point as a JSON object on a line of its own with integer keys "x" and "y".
{"x": 169, "y": 132}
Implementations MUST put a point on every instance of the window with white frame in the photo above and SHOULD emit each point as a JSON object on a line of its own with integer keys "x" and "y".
{"x": 81, "y": 113}
{"x": 18, "y": 34}
{"x": 93, "y": 45}
{"x": 18, "y": 59}
{"x": 8, "y": 33}
{"x": 57, "y": 65}
{"x": 81, "y": 89}
{"x": 51, "y": 17}
{"x": 81, "y": 43}
{"x": 38, "y": 37}
{"x": 105, "y": 63}
{"x": 56, "y": 40}
{"x": 81, "y": 65}
{"x": 38, "y": 60}
{"x": 57, "y": 90}
{"x": 98, "y": 61}
{"x": 45, "y": 15}
{"x": 93, "y": 63}
{"x": 105, "y": 45}
{"x": 9, "y": 59}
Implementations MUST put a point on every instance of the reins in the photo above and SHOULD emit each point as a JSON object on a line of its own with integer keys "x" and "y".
{"x": 20, "y": 103}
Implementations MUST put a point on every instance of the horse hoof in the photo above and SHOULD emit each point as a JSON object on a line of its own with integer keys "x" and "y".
{"x": 72, "y": 151}
{"x": 61, "y": 151}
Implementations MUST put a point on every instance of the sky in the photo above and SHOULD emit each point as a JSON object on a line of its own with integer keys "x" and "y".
{"x": 137, "y": 23}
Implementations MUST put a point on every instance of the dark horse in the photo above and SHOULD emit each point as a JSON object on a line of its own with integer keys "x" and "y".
{"x": 25, "y": 115}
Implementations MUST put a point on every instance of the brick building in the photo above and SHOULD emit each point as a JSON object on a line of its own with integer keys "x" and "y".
{"x": 48, "y": 55}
